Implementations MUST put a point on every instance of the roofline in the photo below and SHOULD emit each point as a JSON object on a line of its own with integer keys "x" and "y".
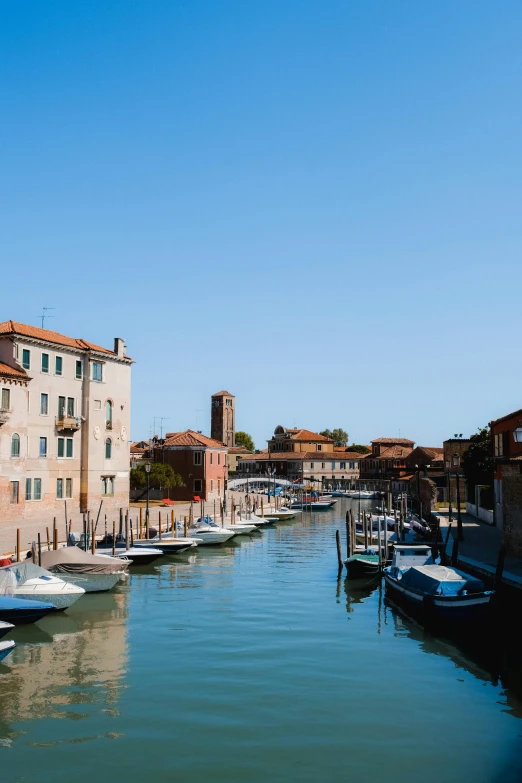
{"x": 504, "y": 418}
{"x": 106, "y": 352}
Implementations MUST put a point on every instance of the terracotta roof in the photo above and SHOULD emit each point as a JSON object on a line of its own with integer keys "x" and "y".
{"x": 191, "y": 438}
{"x": 436, "y": 452}
{"x": 239, "y": 450}
{"x": 13, "y": 327}
{"x": 394, "y": 441}
{"x": 12, "y": 372}
{"x": 394, "y": 452}
{"x": 507, "y": 416}
{"x": 223, "y": 394}
{"x": 307, "y": 435}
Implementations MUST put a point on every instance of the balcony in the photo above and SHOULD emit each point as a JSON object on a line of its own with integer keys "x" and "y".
{"x": 4, "y": 415}
{"x": 71, "y": 423}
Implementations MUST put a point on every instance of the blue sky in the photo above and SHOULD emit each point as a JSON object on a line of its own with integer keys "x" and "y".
{"x": 315, "y": 205}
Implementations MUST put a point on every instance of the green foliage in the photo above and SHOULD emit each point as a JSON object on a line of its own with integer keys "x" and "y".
{"x": 244, "y": 439}
{"x": 359, "y": 448}
{"x": 161, "y": 477}
{"x": 478, "y": 463}
{"x": 339, "y": 436}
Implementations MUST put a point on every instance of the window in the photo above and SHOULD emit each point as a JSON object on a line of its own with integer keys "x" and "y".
{"x": 211, "y": 458}
{"x": 97, "y": 405}
{"x": 15, "y": 491}
{"x": 212, "y": 485}
{"x": 108, "y": 448}
{"x": 44, "y": 404}
{"x": 37, "y": 489}
{"x": 43, "y": 447}
{"x": 319, "y": 448}
{"x": 322, "y": 465}
{"x": 5, "y": 402}
{"x": 61, "y": 407}
{"x": 59, "y": 488}
{"x": 15, "y": 446}
{"x": 219, "y": 485}
{"x": 343, "y": 465}
{"x": 78, "y": 369}
{"x": 61, "y": 448}
{"x": 70, "y": 406}
{"x": 45, "y": 362}
{"x": 197, "y": 458}
{"x": 229, "y": 403}
{"x": 333, "y": 465}
{"x": 198, "y": 485}
{"x": 108, "y": 415}
{"x": 350, "y": 465}
{"x": 28, "y": 489}
{"x": 311, "y": 466}
{"x": 58, "y": 365}
{"x": 69, "y": 448}
{"x": 219, "y": 458}
{"x": 97, "y": 371}
{"x": 107, "y": 485}
{"x": 68, "y": 488}
{"x": 26, "y": 361}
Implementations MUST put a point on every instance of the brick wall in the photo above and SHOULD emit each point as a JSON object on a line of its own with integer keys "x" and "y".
{"x": 512, "y": 508}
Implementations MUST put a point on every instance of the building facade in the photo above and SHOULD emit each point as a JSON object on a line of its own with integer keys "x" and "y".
{"x": 200, "y": 461}
{"x": 321, "y": 469}
{"x": 64, "y": 425}
{"x": 223, "y": 418}
{"x": 298, "y": 440}
{"x": 507, "y": 446}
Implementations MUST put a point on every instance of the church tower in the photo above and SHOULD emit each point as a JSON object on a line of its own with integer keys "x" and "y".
{"x": 222, "y": 418}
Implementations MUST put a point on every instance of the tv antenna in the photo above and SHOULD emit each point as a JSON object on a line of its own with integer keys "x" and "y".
{"x": 44, "y": 314}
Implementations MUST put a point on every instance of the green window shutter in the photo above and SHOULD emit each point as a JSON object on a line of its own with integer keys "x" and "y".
{"x": 28, "y": 488}
{"x": 58, "y": 365}
{"x": 78, "y": 369}
{"x": 60, "y": 447}
{"x": 59, "y": 488}
{"x": 69, "y": 451}
{"x": 26, "y": 359}
{"x": 45, "y": 362}
{"x": 37, "y": 489}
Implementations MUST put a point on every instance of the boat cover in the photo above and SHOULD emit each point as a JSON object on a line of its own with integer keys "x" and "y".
{"x": 17, "y": 574}
{"x": 73, "y": 560}
{"x": 440, "y": 580}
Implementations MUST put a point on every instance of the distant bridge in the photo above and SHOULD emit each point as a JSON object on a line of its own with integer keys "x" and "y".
{"x": 259, "y": 482}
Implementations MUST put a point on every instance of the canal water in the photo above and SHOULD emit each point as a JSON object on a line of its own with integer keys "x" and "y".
{"x": 251, "y": 663}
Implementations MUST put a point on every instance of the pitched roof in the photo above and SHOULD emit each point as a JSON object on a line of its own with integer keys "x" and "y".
{"x": 191, "y": 438}
{"x": 306, "y": 435}
{"x": 12, "y": 372}
{"x": 223, "y": 394}
{"x": 393, "y": 452}
{"x": 238, "y": 450}
{"x": 436, "y": 452}
{"x": 13, "y": 327}
{"x": 507, "y": 416}
{"x": 394, "y": 441}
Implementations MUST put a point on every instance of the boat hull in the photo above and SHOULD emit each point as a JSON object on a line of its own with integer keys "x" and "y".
{"x": 19, "y": 612}
{"x": 360, "y": 567}
{"x": 136, "y": 555}
{"x": 5, "y": 649}
{"x": 5, "y": 628}
{"x": 62, "y": 598}
{"x": 455, "y": 609}
{"x": 94, "y": 583}
{"x": 213, "y": 538}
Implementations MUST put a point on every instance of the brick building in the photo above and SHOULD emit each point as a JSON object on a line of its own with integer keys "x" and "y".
{"x": 507, "y": 443}
{"x": 297, "y": 440}
{"x": 387, "y": 459}
{"x": 223, "y": 418}
{"x": 64, "y": 425}
{"x": 200, "y": 461}
{"x": 320, "y": 468}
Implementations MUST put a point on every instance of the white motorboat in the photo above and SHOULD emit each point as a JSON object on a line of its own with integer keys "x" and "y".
{"x": 135, "y": 555}
{"x": 95, "y": 573}
{"x": 209, "y": 535}
{"x": 258, "y": 521}
{"x": 30, "y": 582}
{"x": 283, "y": 513}
{"x": 167, "y": 544}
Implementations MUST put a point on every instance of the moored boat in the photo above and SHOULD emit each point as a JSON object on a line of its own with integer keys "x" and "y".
{"x": 362, "y": 564}
{"x": 5, "y": 628}
{"x": 134, "y": 555}
{"x": 6, "y": 648}
{"x": 31, "y": 582}
{"x": 94, "y": 573}
{"x": 436, "y": 592}
{"x": 167, "y": 544}
{"x": 19, "y": 611}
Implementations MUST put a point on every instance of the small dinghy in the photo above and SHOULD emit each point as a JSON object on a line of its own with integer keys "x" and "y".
{"x": 6, "y": 648}
{"x": 96, "y": 574}
{"x": 362, "y": 564}
{"x": 19, "y": 611}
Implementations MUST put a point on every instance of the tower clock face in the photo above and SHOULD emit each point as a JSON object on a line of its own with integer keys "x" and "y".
{"x": 96, "y": 432}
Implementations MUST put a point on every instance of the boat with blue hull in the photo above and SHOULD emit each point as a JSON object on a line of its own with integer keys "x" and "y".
{"x": 19, "y": 610}
{"x": 6, "y": 648}
{"x": 435, "y": 592}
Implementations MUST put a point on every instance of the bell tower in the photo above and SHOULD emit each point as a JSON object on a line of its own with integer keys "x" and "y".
{"x": 223, "y": 418}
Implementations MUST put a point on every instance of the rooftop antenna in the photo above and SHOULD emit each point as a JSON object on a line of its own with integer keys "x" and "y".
{"x": 162, "y": 419}
{"x": 44, "y": 314}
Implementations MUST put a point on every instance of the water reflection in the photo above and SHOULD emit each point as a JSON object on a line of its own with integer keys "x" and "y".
{"x": 67, "y": 664}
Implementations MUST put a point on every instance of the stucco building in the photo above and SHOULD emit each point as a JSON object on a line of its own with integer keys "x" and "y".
{"x": 64, "y": 425}
{"x": 200, "y": 461}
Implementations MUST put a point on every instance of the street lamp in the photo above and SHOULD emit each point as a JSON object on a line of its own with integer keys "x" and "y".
{"x": 517, "y": 434}
{"x": 456, "y": 464}
{"x": 147, "y": 471}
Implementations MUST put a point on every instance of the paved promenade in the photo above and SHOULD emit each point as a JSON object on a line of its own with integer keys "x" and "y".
{"x": 481, "y": 546}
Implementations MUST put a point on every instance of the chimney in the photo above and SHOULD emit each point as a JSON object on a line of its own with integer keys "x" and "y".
{"x": 119, "y": 346}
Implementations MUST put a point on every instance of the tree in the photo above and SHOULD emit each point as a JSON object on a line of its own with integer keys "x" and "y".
{"x": 359, "y": 448}
{"x": 161, "y": 476}
{"x": 244, "y": 439}
{"x": 339, "y": 436}
{"x": 478, "y": 465}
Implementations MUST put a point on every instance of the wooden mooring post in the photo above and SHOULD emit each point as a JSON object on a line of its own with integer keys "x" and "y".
{"x": 339, "y": 551}
{"x": 141, "y": 522}
{"x": 349, "y": 534}
{"x": 500, "y": 567}
{"x": 113, "y": 537}
{"x": 18, "y": 553}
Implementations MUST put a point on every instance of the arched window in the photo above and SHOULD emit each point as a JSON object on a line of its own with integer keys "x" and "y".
{"x": 108, "y": 415}
{"x": 108, "y": 448}
{"x": 15, "y": 445}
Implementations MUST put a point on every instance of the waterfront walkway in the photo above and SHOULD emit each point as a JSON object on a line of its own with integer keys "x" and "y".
{"x": 481, "y": 547}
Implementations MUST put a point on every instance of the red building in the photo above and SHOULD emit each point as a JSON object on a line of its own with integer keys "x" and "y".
{"x": 507, "y": 443}
{"x": 200, "y": 461}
